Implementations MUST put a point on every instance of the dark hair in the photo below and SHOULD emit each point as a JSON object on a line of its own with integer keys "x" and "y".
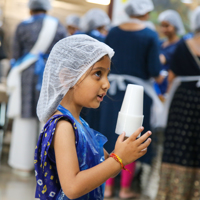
{"x": 35, "y": 11}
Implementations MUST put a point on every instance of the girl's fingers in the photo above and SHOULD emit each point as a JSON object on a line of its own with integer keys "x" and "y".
{"x": 135, "y": 134}
{"x": 121, "y": 138}
{"x": 144, "y": 145}
{"x": 143, "y": 138}
{"x": 141, "y": 153}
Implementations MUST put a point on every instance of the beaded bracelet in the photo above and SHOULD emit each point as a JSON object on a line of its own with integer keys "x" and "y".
{"x": 119, "y": 160}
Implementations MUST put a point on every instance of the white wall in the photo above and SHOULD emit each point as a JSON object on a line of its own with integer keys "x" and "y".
{"x": 118, "y": 15}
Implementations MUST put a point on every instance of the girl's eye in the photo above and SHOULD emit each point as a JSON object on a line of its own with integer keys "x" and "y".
{"x": 98, "y": 73}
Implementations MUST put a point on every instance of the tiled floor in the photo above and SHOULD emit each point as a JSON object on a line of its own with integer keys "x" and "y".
{"x": 14, "y": 187}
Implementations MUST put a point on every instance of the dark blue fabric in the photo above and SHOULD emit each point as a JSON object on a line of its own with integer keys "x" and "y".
{"x": 167, "y": 52}
{"x": 182, "y": 138}
{"x": 89, "y": 147}
{"x": 183, "y": 63}
{"x": 97, "y": 35}
{"x": 136, "y": 54}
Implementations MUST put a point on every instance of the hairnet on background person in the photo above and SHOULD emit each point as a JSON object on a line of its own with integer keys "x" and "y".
{"x": 73, "y": 20}
{"x": 139, "y": 7}
{"x": 93, "y": 19}
{"x": 172, "y": 17}
{"x": 39, "y": 4}
{"x": 195, "y": 19}
{"x": 69, "y": 59}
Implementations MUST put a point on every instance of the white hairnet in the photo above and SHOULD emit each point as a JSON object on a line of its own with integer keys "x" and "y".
{"x": 172, "y": 17}
{"x": 93, "y": 19}
{"x": 139, "y": 7}
{"x": 73, "y": 20}
{"x": 69, "y": 59}
{"x": 39, "y": 4}
{"x": 195, "y": 19}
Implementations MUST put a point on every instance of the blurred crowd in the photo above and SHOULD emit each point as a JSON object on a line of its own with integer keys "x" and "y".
{"x": 167, "y": 68}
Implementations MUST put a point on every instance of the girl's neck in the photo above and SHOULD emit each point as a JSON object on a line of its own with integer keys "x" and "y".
{"x": 75, "y": 110}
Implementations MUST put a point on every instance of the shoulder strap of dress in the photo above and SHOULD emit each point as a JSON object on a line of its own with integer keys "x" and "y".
{"x": 47, "y": 138}
{"x": 193, "y": 55}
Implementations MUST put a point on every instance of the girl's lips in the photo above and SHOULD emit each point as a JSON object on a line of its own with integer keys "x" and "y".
{"x": 100, "y": 97}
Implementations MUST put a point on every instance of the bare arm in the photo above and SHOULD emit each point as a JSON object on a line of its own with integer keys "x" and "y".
{"x": 76, "y": 183}
{"x": 106, "y": 154}
{"x": 162, "y": 59}
{"x": 159, "y": 79}
{"x": 171, "y": 77}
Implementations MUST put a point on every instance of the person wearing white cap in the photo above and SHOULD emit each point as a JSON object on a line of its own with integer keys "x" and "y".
{"x": 33, "y": 41}
{"x": 95, "y": 23}
{"x": 138, "y": 11}
{"x": 180, "y": 168}
{"x": 72, "y": 23}
{"x": 172, "y": 27}
{"x": 136, "y": 58}
{"x": 70, "y": 161}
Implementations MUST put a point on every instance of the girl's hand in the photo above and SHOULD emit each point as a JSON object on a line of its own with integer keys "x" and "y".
{"x": 132, "y": 149}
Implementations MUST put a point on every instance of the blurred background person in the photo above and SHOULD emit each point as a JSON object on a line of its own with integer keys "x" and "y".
{"x": 171, "y": 27}
{"x": 32, "y": 39}
{"x": 95, "y": 23}
{"x": 180, "y": 170}
{"x": 136, "y": 56}
{"x": 72, "y": 23}
{"x": 140, "y": 19}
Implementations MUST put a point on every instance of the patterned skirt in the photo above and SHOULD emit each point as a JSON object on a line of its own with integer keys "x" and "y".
{"x": 180, "y": 170}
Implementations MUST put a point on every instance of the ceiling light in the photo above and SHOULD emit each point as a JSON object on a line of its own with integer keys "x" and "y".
{"x": 101, "y": 2}
{"x": 186, "y": 1}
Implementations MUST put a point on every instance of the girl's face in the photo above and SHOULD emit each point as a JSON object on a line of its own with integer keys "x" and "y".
{"x": 93, "y": 85}
{"x": 167, "y": 29}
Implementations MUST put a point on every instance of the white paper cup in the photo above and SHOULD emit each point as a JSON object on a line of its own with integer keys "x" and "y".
{"x": 130, "y": 117}
{"x": 133, "y": 100}
{"x": 128, "y": 124}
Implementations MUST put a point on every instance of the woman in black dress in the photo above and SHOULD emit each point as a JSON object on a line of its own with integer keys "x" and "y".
{"x": 180, "y": 171}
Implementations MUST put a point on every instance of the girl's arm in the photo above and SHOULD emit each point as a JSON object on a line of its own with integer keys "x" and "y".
{"x": 106, "y": 154}
{"x": 76, "y": 183}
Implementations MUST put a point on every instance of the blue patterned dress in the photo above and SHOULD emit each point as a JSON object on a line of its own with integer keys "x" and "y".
{"x": 89, "y": 147}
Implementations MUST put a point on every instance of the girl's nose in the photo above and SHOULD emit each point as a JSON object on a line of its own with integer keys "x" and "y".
{"x": 106, "y": 84}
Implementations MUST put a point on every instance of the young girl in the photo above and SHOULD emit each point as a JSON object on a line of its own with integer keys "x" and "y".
{"x": 69, "y": 157}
